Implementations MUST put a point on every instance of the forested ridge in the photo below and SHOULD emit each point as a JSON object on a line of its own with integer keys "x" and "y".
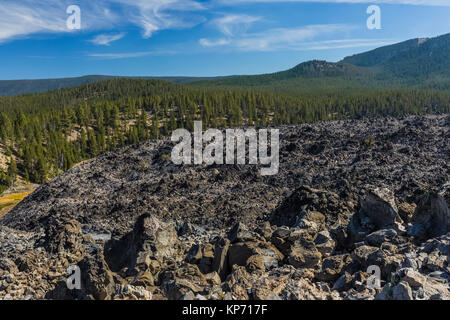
{"x": 414, "y": 64}
{"x": 43, "y": 135}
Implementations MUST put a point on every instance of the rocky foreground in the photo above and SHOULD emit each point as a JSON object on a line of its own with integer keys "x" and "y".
{"x": 350, "y": 195}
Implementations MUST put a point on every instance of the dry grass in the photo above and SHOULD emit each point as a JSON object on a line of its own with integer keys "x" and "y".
{"x": 9, "y": 201}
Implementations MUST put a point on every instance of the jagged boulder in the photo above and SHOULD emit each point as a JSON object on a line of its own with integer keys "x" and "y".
{"x": 408, "y": 284}
{"x": 186, "y": 278}
{"x": 378, "y": 211}
{"x": 304, "y": 254}
{"x": 242, "y": 254}
{"x": 64, "y": 236}
{"x": 150, "y": 240}
{"x": 220, "y": 262}
{"x": 332, "y": 267}
{"x": 240, "y": 233}
{"x": 431, "y": 218}
{"x": 300, "y": 208}
{"x": 324, "y": 243}
{"x": 377, "y": 238}
{"x": 97, "y": 280}
{"x": 402, "y": 291}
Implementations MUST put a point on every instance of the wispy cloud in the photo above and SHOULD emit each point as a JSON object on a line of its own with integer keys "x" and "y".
{"x": 278, "y": 38}
{"x": 22, "y": 18}
{"x": 128, "y": 55}
{"x": 445, "y": 3}
{"x": 214, "y": 43}
{"x": 345, "y": 43}
{"x": 231, "y": 24}
{"x": 25, "y": 17}
{"x": 106, "y": 39}
{"x": 120, "y": 55}
{"x": 154, "y": 15}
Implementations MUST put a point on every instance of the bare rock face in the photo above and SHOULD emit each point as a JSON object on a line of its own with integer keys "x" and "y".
{"x": 304, "y": 255}
{"x": 305, "y": 208}
{"x": 99, "y": 281}
{"x": 402, "y": 291}
{"x": 220, "y": 263}
{"x": 150, "y": 240}
{"x": 314, "y": 231}
{"x": 64, "y": 235}
{"x": 240, "y": 253}
{"x": 378, "y": 211}
{"x": 332, "y": 267}
{"x": 431, "y": 218}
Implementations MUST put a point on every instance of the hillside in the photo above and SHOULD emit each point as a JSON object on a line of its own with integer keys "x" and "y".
{"x": 414, "y": 58}
{"x": 18, "y": 87}
{"x": 417, "y": 63}
{"x": 46, "y": 134}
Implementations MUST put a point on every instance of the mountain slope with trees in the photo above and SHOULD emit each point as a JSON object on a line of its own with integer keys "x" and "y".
{"x": 417, "y": 63}
{"x": 46, "y": 134}
{"x": 17, "y": 87}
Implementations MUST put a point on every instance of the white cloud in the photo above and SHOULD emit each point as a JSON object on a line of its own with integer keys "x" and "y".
{"x": 106, "y": 39}
{"x": 445, "y": 3}
{"x": 231, "y": 24}
{"x": 154, "y": 15}
{"x": 122, "y": 55}
{"x": 126, "y": 55}
{"x": 26, "y": 17}
{"x": 214, "y": 43}
{"x": 23, "y": 18}
{"x": 345, "y": 43}
{"x": 277, "y": 39}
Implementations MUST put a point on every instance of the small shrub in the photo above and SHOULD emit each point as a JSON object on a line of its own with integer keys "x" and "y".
{"x": 369, "y": 143}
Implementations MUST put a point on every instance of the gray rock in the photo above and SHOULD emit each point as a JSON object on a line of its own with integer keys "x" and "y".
{"x": 344, "y": 282}
{"x": 324, "y": 243}
{"x": 220, "y": 262}
{"x": 304, "y": 255}
{"x": 378, "y": 211}
{"x": 431, "y": 218}
{"x": 240, "y": 233}
{"x": 378, "y": 237}
{"x": 402, "y": 291}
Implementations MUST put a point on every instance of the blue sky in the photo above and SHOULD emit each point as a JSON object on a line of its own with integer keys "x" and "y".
{"x": 199, "y": 37}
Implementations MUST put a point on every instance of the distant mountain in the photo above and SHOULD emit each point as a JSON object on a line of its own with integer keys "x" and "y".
{"x": 422, "y": 57}
{"x": 422, "y": 63}
{"x": 383, "y": 54}
{"x": 16, "y": 87}
{"x": 416, "y": 63}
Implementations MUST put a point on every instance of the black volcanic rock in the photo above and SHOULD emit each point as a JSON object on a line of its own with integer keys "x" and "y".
{"x": 141, "y": 227}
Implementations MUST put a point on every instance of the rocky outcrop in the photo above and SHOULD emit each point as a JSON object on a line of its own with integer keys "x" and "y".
{"x": 337, "y": 215}
{"x": 431, "y": 218}
{"x": 378, "y": 211}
